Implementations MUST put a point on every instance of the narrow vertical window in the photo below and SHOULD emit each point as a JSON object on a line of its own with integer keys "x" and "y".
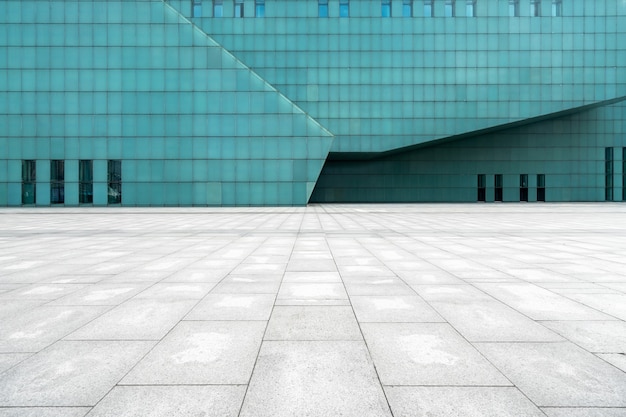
{"x": 429, "y": 9}
{"x": 482, "y": 187}
{"x": 29, "y": 184}
{"x": 344, "y": 8}
{"x": 624, "y": 174}
{"x": 541, "y": 187}
{"x": 497, "y": 182}
{"x": 196, "y": 8}
{"x": 407, "y": 8}
{"x": 57, "y": 182}
{"x": 535, "y": 8}
{"x": 114, "y": 179}
{"x": 259, "y": 8}
{"x": 448, "y": 10}
{"x": 557, "y": 8}
{"x": 608, "y": 174}
{"x": 385, "y": 8}
{"x": 322, "y": 8}
{"x": 218, "y": 8}
{"x": 470, "y": 8}
{"x": 239, "y": 7}
{"x": 513, "y": 8}
{"x": 523, "y": 187}
{"x": 85, "y": 182}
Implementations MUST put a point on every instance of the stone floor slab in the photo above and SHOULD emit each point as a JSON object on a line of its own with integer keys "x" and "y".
{"x": 307, "y": 323}
{"x": 558, "y": 374}
{"x": 460, "y": 402}
{"x": 219, "y": 353}
{"x": 70, "y": 373}
{"x": 427, "y": 354}
{"x": 170, "y": 401}
{"x": 233, "y": 307}
{"x": 585, "y": 412}
{"x": 315, "y": 379}
{"x": 393, "y": 309}
{"x": 44, "y": 412}
{"x": 594, "y": 336}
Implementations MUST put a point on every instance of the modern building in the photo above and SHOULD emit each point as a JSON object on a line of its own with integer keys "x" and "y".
{"x": 286, "y": 102}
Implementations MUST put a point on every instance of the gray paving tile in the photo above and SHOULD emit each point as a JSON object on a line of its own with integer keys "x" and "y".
{"x": 69, "y": 373}
{"x": 168, "y": 401}
{"x": 541, "y": 304}
{"x": 312, "y": 291}
{"x": 380, "y": 287}
{"x": 585, "y": 412}
{"x": 427, "y": 354}
{"x": 312, "y": 277}
{"x": 176, "y": 291}
{"x": 393, "y": 308}
{"x": 616, "y": 359}
{"x": 313, "y": 323}
{"x": 198, "y": 275}
{"x": 140, "y": 319}
{"x": 460, "y": 402}
{"x": 101, "y": 294}
{"x": 613, "y": 304}
{"x": 314, "y": 379}
{"x": 42, "y": 326}
{"x": 558, "y": 374}
{"x": 233, "y": 307}
{"x": 8, "y": 360}
{"x": 201, "y": 353}
{"x": 44, "y": 412}
{"x": 594, "y": 336}
{"x": 41, "y": 292}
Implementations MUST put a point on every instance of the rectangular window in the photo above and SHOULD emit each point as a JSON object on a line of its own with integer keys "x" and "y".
{"x": 448, "y": 10}
{"x": 29, "y": 184}
{"x": 608, "y": 174}
{"x": 57, "y": 182}
{"x": 407, "y": 8}
{"x": 497, "y": 182}
{"x": 541, "y": 187}
{"x": 85, "y": 182}
{"x": 523, "y": 187}
{"x": 259, "y": 8}
{"x": 344, "y": 8}
{"x": 470, "y": 8}
{"x": 114, "y": 179}
{"x": 385, "y": 8}
{"x": 322, "y": 8}
{"x": 624, "y": 174}
{"x": 557, "y": 8}
{"x": 429, "y": 9}
{"x": 239, "y": 7}
{"x": 513, "y": 8}
{"x": 196, "y": 8}
{"x": 535, "y": 8}
{"x": 482, "y": 187}
{"x": 218, "y": 8}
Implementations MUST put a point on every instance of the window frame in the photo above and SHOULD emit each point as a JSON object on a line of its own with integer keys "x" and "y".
{"x": 114, "y": 181}
{"x": 385, "y": 8}
{"x": 322, "y": 8}
{"x": 239, "y": 9}
{"x": 57, "y": 181}
{"x": 407, "y": 5}
{"x": 344, "y": 8}
{"x": 85, "y": 183}
{"x": 29, "y": 181}
{"x": 259, "y": 8}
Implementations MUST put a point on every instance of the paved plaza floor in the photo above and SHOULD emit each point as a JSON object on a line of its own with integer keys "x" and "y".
{"x": 334, "y": 310}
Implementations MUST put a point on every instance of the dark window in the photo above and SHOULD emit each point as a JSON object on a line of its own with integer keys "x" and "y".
{"x": 470, "y": 8}
{"x": 523, "y": 187}
{"x": 322, "y": 8}
{"x": 535, "y": 8}
{"x": 344, "y": 8}
{"x": 448, "y": 10}
{"x": 541, "y": 187}
{"x": 482, "y": 187}
{"x": 557, "y": 8}
{"x": 385, "y": 8}
{"x": 85, "y": 182}
{"x": 407, "y": 8}
{"x": 259, "y": 8}
{"x": 429, "y": 9}
{"x": 239, "y": 7}
{"x": 218, "y": 8}
{"x": 114, "y": 179}
{"x": 513, "y": 8}
{"x": 196, "y": 8}
{"x": 57, "y": 182}
{"x": 497, "y": 182}
{"x": 608, "y": 174}
{"x": 29, "y": 178}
